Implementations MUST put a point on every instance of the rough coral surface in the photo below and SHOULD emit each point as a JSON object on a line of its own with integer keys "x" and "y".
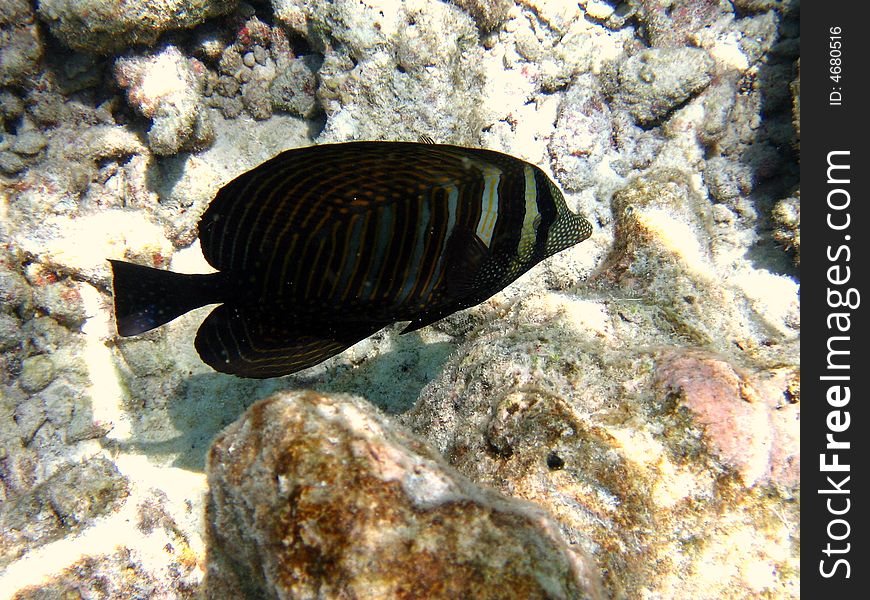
{"x": 321, "y": 496}
{"x": 488, "y": 14}
{"x": 382, "y": 58}
{"x": 110, "y": 25}
{"x": 583, "y": 136}
{"x": 20, "y": 44}
{"x": 652, "y": 83}
{"x": 640, "y": 457}
{"x": 165, "y": 88}
{"x": 122, "y": 574}
{"x": 750, "y": 421}
{"x": 67, "y": 502}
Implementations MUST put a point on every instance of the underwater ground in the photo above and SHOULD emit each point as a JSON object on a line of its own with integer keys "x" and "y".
{"x": 621, "y": 422}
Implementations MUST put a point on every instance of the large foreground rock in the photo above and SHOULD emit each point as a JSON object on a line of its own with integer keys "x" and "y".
{"x": 317, "y": 496}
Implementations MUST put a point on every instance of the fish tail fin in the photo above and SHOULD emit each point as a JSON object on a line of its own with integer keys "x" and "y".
{"x": 146, "y": 298}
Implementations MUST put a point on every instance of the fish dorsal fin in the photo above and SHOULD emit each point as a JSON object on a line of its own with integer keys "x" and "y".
{"x": 425, "y": 139}
{"x": 261, "y": 342}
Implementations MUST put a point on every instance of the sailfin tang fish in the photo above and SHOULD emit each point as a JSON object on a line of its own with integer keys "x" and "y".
{"x": 320, "y": 247}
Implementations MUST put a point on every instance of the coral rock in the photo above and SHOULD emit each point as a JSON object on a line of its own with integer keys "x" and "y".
{"x": 165, "y": 88}
{"x": 15, "y": 295}
{"x": 488, "y": 14}
{"x": 672, "y": 23}
{"x": 654, "y": 83}
{"x": 582, "y": 137}
{"x": 10, "y": 332}
{"x": 293, "y": 90}
{"x": 20, "y": 43}
{"x": 36, "y": 373}
{"x": 125, "y": 573}
{"x": 102, "y": 26}
{"x": 314, "y": 496}
{"x": 753, "y": 6}
{"x": 750, "y": 422}
{"x": 65, "y": 503}
{"x": 11, "y": 163}
{"x": 415, "y": 67}
{"x": 551, "y": 405}
{"x": 787, "y": 216}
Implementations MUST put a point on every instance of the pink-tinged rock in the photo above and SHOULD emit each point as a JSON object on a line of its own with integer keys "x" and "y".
{"x": 751, "y": 422}
{"x": 317, "y": 496}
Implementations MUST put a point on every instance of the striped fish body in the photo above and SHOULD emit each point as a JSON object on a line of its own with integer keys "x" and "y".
{"x": 320, "y": 247}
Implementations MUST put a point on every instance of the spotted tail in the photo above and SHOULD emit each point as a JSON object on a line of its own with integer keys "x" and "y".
{"x": 146, "y": 298}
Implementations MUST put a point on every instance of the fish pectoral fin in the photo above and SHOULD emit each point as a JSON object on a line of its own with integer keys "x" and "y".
{"x": 262, "y": 342}
{"x": 466, "y": 255}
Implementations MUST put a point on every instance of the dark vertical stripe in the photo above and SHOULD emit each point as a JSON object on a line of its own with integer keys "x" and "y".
{"x": 452, "y": 200}
{"x": 351, "y": 241}
{"x": 547, "y": 210}
{"x": 337, "y": 248}
{"x": 411, "y": 276}
{"x": 512, "y": 212}
{"x": 440, "y": 211}
{"x": 388, "y": 231}
{"x": 405, "y": 227}
{"x": 354, "y": 280}
{"x": 384, "y": 233}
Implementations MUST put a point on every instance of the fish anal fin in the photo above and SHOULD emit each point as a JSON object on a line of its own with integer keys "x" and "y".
{"x": 263, "y": 342}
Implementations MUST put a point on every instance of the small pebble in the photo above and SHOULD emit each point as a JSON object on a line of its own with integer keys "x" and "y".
{"x": 228, "y": 86}
{"x": 10, "y": 332}
{"x": 11, "y": 105}
{"x": 260, "y": 55}
{"x": 36, "y": 373}
{"x": 15, "y": 294}
{"x": 249, "y": 59}
{"x": 11, "y": 163}
{"x": 29, "y": 143}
